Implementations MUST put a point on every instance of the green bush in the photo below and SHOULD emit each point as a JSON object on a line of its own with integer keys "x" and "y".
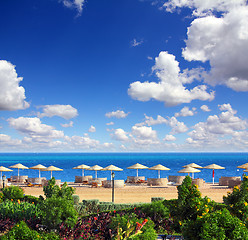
{"x": 155, "y": 199}
{"x": 219, "y": 225}
{"x": 155, "y": 209}
{"x": 75, "y": 199}
{"x": 18, "y": 210}
{"x": 32, "y": 199}
{"x": 12, "y": 192}
{"x": 22, "y": 232}
{"x": 237, "y": 201}
{"x": 54, "y": 190}
{"x": 130, "y": 227}
{"x": 58, "y": 210}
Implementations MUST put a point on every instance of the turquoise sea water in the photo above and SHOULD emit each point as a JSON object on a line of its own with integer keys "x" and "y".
{"x": 174, "y": 161}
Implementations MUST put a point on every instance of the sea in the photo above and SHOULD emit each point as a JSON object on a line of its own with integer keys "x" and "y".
{"x": 174, "y": 161}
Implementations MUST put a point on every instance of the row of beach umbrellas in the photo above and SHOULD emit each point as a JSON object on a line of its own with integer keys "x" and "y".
{"x": 190, "y": 168}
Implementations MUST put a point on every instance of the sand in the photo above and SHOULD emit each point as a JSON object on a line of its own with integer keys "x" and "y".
{"x": 132, "y": 194}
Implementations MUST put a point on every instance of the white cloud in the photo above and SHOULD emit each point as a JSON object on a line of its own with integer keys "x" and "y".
{"x": 34, "y": 128}
{"x": 64, "y": 111}
{"x": 202, "y": 8}
{"x": 170, "y": 88}
{"x": 6, "y": 140}
{"x": 117, "y": 114}
{"x": 217, "y": 128}
{"x": 144, "y": 132}
{"x": 135, "y": 43}
{"x": 149, "y": 58}
{"x": 77, "y": 4}
{"x": 210, "y": 36}
{"x": 110, "y": 123}
{"x": 12, "y": 96}
{"x": 151, "y": 121}
{"x": 85, "y": 142}
{"x": 92, "y": 129}
{"x": 66, "y": 125}
{"x": 169, "y": 138}
{"x": 119, "y": 135}
{"x": 205, "y": 108}
{"x": 177, "y": 127}
{"x": 185, "y": 112}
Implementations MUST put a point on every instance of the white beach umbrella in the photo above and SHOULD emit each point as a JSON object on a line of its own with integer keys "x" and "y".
{"x": 189, "y": 170}
{"x": 4, "y": 169}
{"x": 95, "y": 168}
{"x": 52, "y": 168}
{"x": 82, "y": 166}
{"x": 245, "y": 166}
{"x": 214, "y": 166}
{"x": 112, "y": 168}
{"x": 19, "y": 166}
{"x": 137, "y": 166}
{"x": 193, "y": 165}
{"x": 38, "y": 167}
{"x": 159, "y": 167}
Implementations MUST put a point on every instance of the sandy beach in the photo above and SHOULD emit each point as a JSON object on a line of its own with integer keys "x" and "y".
{"x": 132, "y": 194}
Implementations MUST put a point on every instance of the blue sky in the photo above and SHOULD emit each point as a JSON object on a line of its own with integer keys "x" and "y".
{"x": 127, "y": 75}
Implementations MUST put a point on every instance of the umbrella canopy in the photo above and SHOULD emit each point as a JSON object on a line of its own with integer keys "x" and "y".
{"x": 19, "y": 166}
{"x": 137, "y": 166}
{"x": 193, "y": 165}
{"x": 159, "y": 167}
{"x": 243, "y": 166}
{"x": 4, "y": 169}
{"x": 38, "y": 167}
{"x": 112, "y": 168}
{"x": 96, "y": 168}
{"x": 214, "y": 166}
{"x": 52, "y": 168}
{"x": 189, "y": 170}
{"x": 82, "y": 166}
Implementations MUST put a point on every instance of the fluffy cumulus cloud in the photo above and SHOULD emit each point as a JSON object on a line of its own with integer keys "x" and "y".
{"x": 149, "y": 121}
{"x": 169, "y": 89}
{"x": 76, "y": 4}
{"x": 223, "y": 129}
{"x": 12, "y": 96}
{"x": 177, "y": 126}
{"x": 92, "y": 129}
{"x": 117, "y": 114}
{"x": 7, "y": 141}
{"x": 170, "y": 138}
{"x": 205, "y": 108}
{"x": 119, "y": 135}
{"x": 219, "y": 39}
{"x": 66, "y": 125}
{"x": 64, "y": 111}
{"x": 85, "y": 142}
{"x": 33, "y": 128}
{"x": 185, "y": 112}
{"x": 144, "y": 135}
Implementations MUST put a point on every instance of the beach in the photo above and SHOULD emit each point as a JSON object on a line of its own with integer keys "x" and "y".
{"x": 134, "y": 194}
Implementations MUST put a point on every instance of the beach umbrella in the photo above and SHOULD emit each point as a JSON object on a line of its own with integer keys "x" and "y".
{"x": 137, "y": 166}
{"x": 193, "y": 165}
{"x": 96, "y": 168}
{"x": 19, "y": 166}
{"x": 245, "y": 166}
{"x": 38, "y": 167}
{"x": 52, "y": 168}
{"x": 4, "y": 169}
{"x": 189, "y": 170}
{"x": 214, "y": 166}
{"x": 112, "y": 168}
{"x": 82, "y": 166}
{"x": 159, "y": 167}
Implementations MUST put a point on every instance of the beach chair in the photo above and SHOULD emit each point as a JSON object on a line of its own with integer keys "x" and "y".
{"x": 30, "y": 184}
{"x": 94, "y": 184}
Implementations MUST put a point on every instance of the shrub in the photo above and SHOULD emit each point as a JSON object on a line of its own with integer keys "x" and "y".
{"x": 18, "y": 210}
{"x": 32, "y": 199}
{"x": 75, "y": 199}
{"x": 130, "y": 227}
{"x": 22, "y": 232}
{"x": 216, "y": 225}
{"x": 54, "y": 190}
{"x": 58, "y": 210}
{"x": 155, "y": 199}
{"x": 12, "y": 192}
{"x": 237, "y": 201}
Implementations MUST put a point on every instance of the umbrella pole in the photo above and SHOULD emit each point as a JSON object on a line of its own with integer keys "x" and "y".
{"x": 137, "y": 172}
{"x": 82, "y": 172}
{"x": 39, "y": 173}
{"x": 213, "y": 176}
{"x": 192, "y": 175}
{"x": 111, "y": 175}
{"x": 96, "y": 173}
{"x": 158, "y": 173}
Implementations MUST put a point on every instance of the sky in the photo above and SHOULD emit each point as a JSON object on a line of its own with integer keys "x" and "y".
{"x": 123, "y": 76}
